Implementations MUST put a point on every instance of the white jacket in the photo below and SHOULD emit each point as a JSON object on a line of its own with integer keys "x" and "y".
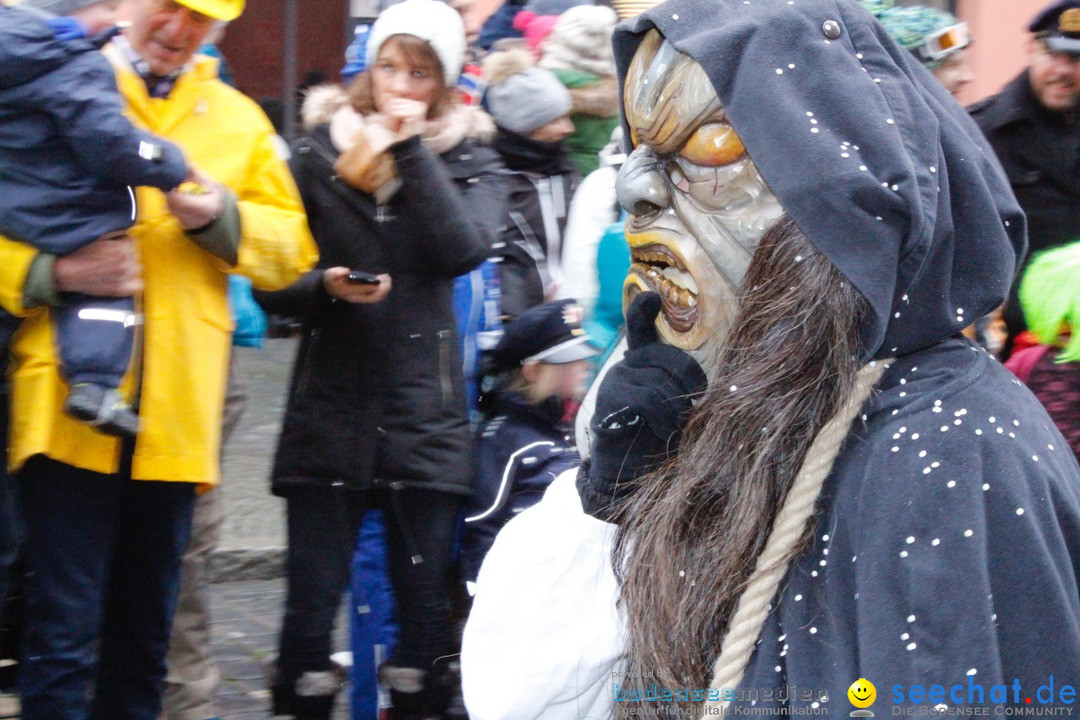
{"x": 592, "y": 210}
{"x": 544, "y": 638}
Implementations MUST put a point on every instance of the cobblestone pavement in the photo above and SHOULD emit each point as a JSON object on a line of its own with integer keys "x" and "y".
{"x": 253, "y": 537}
{"x": 246, "y": 616}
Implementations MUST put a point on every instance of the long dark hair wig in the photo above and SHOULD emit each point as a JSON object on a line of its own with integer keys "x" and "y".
{"x": 689, "y": 538}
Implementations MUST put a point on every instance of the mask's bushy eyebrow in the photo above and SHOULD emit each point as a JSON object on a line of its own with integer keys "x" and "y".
{"x": 667, "y": 96}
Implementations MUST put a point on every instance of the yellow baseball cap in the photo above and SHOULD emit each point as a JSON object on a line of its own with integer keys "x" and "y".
{"x": 218, "y": 9}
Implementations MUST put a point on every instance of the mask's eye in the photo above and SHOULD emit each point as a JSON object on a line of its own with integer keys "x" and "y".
{"x": 713, "y": 145}
{"x": 678, "y": 177}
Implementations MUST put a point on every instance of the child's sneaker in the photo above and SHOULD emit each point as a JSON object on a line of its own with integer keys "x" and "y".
{"x": 101, "y": 408}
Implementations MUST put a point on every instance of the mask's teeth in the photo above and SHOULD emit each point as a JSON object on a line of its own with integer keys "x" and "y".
{"x": 678, "y": 296}
{"x": 681, "y": 278}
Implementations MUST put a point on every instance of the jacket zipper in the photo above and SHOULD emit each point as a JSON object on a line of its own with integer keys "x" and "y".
{"x": 444, "y": 365}
{"x": 305, "y": 371}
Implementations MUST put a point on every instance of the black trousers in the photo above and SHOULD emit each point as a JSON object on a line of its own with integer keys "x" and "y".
{"x": 322, "y": 527}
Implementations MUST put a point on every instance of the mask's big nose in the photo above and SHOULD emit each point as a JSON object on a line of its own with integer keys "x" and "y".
{"x": 641, "y": 187}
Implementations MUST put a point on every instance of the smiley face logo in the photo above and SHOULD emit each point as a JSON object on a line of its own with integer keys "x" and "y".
{"x": 862, "y": 693}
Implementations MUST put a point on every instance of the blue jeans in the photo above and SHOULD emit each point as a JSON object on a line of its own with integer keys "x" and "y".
{"x": 9, "y": 519}
{"x": 103, "y": 557}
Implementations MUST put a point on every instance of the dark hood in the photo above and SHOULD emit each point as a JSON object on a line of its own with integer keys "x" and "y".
{"x": 897, "y": 186}
{"x": 28, "y": 48}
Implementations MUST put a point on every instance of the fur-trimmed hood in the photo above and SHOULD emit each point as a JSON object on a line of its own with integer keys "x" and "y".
{"x": 320, "y": 104}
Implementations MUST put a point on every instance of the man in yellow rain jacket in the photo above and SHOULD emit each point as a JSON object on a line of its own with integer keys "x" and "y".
{"x": 106, "y": 521}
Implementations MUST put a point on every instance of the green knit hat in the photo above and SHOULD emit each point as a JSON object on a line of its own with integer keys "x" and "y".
{"x": 1050, "y": 297}
{"x": 912, "y": 26}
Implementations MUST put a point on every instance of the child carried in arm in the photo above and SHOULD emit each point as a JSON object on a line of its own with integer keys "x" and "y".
{"x": 69, "y": 161}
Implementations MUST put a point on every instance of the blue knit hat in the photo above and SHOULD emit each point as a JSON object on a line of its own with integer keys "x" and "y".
{"x": 355, "y": 54}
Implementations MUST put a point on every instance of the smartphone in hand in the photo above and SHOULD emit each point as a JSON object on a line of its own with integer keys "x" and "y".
{"x": 359, "y": 277}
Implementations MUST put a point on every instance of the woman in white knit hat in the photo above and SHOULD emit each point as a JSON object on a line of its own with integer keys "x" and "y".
{"x": 401, "y": 198}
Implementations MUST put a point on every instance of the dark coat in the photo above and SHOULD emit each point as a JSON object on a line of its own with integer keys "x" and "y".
{"x": 67, "y": 153}
{"x": 541, "y": 180}
{"x": 377, "y": 393}
{"x": 1040, "y": 151}
{"x": 946, "y": 549}
{"x": 521, "y": 450}
{"x": 946, "y": 539}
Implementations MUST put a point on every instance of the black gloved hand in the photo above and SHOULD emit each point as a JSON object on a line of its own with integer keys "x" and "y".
{"x": 641, "y": 408}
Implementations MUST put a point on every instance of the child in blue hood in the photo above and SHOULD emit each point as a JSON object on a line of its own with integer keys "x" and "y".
{"x": 68, "y": 162}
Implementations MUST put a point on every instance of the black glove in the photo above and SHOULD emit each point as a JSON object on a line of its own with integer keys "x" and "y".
{"x": 641, "y": 409}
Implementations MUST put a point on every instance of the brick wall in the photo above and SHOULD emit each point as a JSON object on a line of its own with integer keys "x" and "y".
{"x": 254, "y": 44}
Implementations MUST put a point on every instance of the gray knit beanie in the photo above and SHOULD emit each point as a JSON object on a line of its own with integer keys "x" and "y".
{"x": 58, "y": 7}
{"x": 522, "y": 98}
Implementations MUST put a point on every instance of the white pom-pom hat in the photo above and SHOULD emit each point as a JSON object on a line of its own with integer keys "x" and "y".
{"x": 436, "y": 22}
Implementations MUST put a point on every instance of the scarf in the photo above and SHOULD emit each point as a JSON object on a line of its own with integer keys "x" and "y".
{"x": 157, "y": 86}
{"x": 522, "y": 153}
{"x": 364, "y": 141}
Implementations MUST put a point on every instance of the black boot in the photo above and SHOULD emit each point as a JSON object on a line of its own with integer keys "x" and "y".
{"x": 311, "y": 697}
{"x": 447, "y": 676}
{"x": 414, "y": 694}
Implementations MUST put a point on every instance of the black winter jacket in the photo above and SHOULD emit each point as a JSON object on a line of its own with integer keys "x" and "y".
{"x": 67, "y": 153}
{"x": 521, "y": 451}
{"x": 377, "y": 393}
{"x": 1040, "y": 151}
{"x": 541, "y": 180}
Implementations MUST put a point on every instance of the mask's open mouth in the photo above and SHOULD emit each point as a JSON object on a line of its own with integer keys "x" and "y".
{"x": 661, "y": 270}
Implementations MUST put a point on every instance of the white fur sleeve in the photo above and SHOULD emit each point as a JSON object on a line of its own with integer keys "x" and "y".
{"x": 544, "y": 636}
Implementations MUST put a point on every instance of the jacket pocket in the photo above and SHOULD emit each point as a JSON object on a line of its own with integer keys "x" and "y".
{"x": 215, "y": 312}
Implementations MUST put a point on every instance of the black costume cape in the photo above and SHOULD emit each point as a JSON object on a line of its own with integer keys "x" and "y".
{"x": 947, "y": 538}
